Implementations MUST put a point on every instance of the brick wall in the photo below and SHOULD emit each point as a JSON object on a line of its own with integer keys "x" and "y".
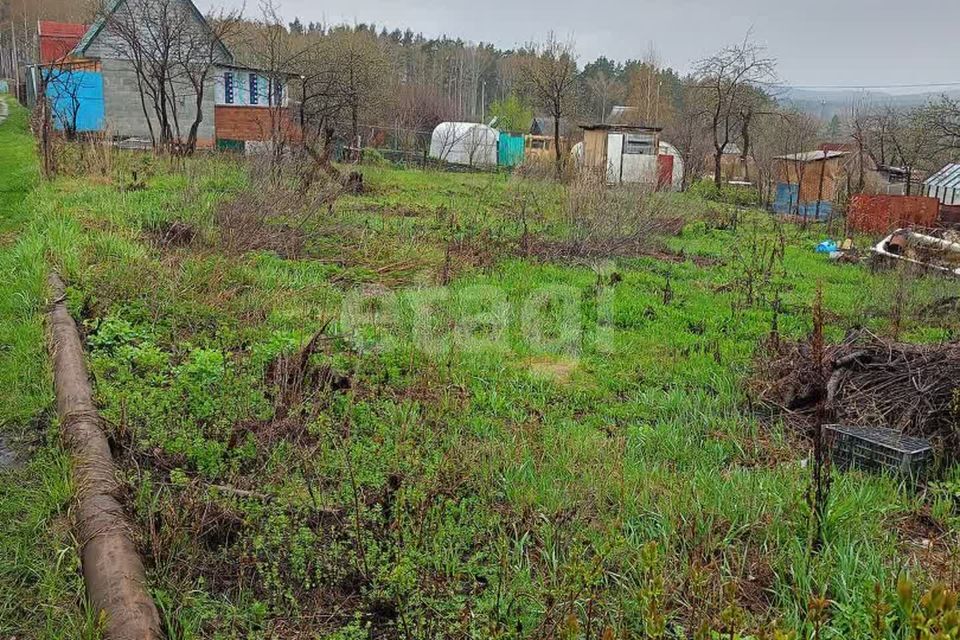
{"x": 251, "y": 123}
{"x": 882, "y": 214}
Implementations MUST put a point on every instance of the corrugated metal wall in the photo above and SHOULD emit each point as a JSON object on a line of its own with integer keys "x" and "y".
{"x": 882, "y": 214}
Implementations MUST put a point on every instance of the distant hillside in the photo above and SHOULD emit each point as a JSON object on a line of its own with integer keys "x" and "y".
{"x": 826, "y": 104}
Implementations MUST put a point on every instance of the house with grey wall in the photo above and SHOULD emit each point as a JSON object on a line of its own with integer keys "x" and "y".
{"x": 118, "y": 57}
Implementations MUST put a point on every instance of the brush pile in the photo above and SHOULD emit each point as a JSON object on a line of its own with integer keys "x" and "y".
{"x": 867, "y": 381}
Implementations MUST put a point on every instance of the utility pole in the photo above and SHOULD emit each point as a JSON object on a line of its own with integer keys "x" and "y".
{"x": 483, "y": 100}
{"x": 303, "y": 99}
{"x": 656, "y": 119}
{"x": 16, "y": 59}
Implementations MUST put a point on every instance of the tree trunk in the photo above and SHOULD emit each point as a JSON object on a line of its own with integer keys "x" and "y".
{"x": 355, "y": 123}
{"x": 718, "y": 168}
{"x": 823, "y": 169}
{"x": 556, "y": 144}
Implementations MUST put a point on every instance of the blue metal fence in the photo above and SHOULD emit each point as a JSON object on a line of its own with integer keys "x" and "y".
{"x": 786, "y": 202}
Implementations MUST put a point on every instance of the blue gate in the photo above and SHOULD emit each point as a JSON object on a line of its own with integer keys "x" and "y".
{"x": 76, "y": 97}
{"x": 509, "y": 150}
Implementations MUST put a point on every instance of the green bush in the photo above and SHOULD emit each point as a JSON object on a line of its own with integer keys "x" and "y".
{"x": 738, "y": 195}
{"x": 374, "y": 158}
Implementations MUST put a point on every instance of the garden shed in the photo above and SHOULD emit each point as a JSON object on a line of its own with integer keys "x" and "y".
{"x": 807, "y": 183}
{"x": 625, "y": 153}
{"x": 467, "y": 143}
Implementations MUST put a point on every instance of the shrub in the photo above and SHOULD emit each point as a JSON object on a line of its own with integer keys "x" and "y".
{"x": 374, "y": 158}
{"x": 738, "y": 195}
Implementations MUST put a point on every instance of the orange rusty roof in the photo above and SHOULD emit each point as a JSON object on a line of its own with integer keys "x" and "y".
{"x": 57, "y": 39}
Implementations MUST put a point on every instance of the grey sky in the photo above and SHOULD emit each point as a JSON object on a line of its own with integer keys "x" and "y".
{"x": 816, "y": 42}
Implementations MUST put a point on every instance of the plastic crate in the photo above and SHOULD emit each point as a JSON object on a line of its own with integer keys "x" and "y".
{"x": 879, "y": 449}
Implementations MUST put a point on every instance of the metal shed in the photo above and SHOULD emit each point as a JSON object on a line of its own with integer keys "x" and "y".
{"x": 944, "y": 185}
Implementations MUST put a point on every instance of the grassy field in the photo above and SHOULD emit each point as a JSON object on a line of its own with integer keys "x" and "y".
{"x": 41, "y": 592}
{"x": 390, "y": 415}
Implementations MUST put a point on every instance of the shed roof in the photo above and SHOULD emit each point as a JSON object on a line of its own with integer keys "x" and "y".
{"x": 57, "y": 39}
{"x": 812, "y": 156}
{"x": 619, "y": 112}
{"x": 543, "y": 126}
{"x": 948, "y": 177}
{"x": 606, "y": 126}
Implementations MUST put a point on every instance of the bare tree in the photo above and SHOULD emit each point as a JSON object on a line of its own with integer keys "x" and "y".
{"x": 605, "y": 89}
{"x": 414, "y": 112}
{"x": 688, "y": 132}
{"x": 943, "y": 121}
{"x": 911, "y": 140}
{"x": 360, "y": 70}
{"x": 548, "y": 73}
{"x": 277, "y": 54}
{"x": 782, "y": 133}
{"x": 730, "y": 78}
{"x": 172, "y": 56}
{"x": 907, "y": 139}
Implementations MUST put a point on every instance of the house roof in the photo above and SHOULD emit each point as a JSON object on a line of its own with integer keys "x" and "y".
{"x": 101, "y": 22}
{"x": 57, "y": 39}
{"x": 948, "y": 177}
{"x": 812, "y": 156}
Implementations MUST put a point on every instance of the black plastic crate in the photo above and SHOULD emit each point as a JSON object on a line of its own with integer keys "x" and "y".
{"x": 879, "y": 449}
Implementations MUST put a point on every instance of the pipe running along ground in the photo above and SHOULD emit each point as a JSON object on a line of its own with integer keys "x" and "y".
{"x": 112, "y": 570}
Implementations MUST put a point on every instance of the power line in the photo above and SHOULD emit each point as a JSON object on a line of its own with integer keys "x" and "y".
{"x": 922, "y": 85}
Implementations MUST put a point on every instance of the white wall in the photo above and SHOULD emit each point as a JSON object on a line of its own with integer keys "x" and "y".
{"x": 241, "y": 83}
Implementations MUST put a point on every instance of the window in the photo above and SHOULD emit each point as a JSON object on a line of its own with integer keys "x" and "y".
{"x": 638, "y": 144}
{"x": 228, "y": 88}
{"x": 254, "y": 93}
{"x": 275, "y": 92}
{"x": 538, "y": 144}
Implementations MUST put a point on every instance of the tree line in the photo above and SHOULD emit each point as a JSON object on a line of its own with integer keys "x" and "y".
{"x": 344, "y": 78}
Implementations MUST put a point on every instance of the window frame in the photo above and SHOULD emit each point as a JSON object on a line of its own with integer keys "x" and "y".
{"x": 229, "y": 88}
{"x": 254, "y": 89}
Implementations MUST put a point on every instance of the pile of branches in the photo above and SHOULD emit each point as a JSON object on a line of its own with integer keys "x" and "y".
{"x": 867, "y": 381}
{"x": 264, "y": 220}
{"x": 645, "y": 238}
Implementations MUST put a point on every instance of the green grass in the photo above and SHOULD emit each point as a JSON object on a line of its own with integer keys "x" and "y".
{"x": 607, "y": 474}
{"x": 40, "y": 586}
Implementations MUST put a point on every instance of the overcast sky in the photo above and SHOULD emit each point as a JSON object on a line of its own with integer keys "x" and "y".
{"x": 816, "y": 42}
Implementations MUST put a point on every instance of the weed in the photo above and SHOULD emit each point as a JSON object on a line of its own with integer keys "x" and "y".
{"x": 608, "y": 480}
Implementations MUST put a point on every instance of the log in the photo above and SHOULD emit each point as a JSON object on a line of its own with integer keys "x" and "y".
{"x": 112, "y": 570}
